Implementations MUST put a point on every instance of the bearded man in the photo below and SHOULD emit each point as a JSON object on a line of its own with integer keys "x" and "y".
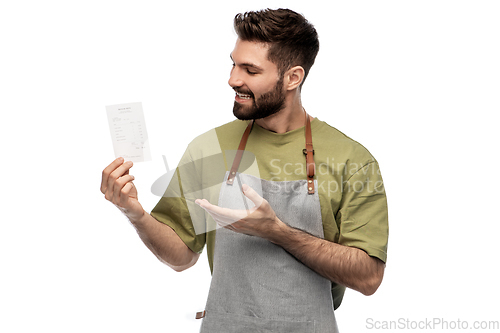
{"x": 293, "y": 214}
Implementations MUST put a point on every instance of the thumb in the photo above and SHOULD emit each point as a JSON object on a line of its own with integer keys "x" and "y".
{"x": 251, "y": 194}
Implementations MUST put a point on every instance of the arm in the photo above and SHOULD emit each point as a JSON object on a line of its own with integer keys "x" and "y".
{"x": 344, "y": 265}
{"x": 165, "y": 244}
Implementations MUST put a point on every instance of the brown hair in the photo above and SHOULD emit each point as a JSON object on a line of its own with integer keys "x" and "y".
{"x": 293, "y": 40}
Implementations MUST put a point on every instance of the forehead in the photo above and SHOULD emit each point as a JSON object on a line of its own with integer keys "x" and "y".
{"x": 255, "y": 53}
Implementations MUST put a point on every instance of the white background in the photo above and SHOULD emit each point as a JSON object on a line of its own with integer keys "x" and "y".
{"x": 417, "y": 82}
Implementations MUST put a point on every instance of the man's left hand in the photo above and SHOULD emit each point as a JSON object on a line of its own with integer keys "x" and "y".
{"x": 260, "y": 220}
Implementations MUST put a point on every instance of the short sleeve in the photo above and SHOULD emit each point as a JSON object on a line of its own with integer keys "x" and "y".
{"x": 174, "y": 210}
{"x": 363, "y": 216}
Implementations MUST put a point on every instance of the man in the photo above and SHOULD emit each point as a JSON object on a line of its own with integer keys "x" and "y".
{"x": 304, "y": 218}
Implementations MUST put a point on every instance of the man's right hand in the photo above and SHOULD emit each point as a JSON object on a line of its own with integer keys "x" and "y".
{"x": 161, "y": 239}
{"x": 117, "y": 187}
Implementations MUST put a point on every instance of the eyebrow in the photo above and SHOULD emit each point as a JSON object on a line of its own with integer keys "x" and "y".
{"x": 247, "y": 64}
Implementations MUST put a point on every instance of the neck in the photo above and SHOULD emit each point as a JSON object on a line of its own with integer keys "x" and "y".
{"x": 286, "y": 120}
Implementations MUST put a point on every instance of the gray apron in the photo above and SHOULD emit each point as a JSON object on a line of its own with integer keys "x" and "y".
{"x": 256, "y": 285}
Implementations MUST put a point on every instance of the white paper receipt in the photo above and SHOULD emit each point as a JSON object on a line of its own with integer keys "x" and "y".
{"x": 128, "y": 132}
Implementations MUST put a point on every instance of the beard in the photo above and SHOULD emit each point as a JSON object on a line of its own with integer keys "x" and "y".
{"x": 268, "y": 104}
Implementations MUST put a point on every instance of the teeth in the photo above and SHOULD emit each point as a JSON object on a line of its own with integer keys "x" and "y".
{"x": 243, "y": 96}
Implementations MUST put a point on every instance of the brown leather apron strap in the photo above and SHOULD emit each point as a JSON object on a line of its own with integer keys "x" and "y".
{"x": 309, "y": 152}
{"x": 239, "y": 154}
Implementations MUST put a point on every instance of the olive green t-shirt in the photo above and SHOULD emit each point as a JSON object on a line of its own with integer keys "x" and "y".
{"x": 350, "y": 187}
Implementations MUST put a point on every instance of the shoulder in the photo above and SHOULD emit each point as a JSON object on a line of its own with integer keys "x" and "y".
{"x": 339, "y": 145}
{"x": 329, "y": 135}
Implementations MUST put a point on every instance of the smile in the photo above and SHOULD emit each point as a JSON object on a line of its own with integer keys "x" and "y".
{"x": 243, "y": 96}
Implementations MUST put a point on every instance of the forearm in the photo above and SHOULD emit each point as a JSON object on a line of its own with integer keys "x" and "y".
{"x": 344, "y": 265}
{"x": 165, "y": 244}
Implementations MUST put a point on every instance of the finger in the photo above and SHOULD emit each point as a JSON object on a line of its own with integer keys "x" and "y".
{"x": 114, "y": 175}
{"x": 203, "y": 203}
{"x": 223, "y": 224}
{"x": 119, "y": 184}
{"x": 216, "y": 210}
{"x": 229, "y": 227}
{"x": 125, "y": 194}
{"x": 111, "y": 176}
{"x": 251, "y": 194}
{"x": 107, "y": 171}
{"x": 224, "y": 215}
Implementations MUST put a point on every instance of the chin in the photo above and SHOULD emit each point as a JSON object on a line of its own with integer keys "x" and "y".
{"x": 242, "y": 113}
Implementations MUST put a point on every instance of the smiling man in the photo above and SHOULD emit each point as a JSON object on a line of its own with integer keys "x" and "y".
{"x": 261, "y": 77}
{"x": 283, "y": 243}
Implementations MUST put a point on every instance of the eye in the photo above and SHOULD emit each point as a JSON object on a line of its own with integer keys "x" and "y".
{"x": 250, "y": 72}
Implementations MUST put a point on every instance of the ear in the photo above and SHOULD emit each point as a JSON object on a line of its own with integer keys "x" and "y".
{"x": 294, "y": 77}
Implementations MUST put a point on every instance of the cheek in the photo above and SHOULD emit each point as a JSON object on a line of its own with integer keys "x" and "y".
{"x": 260, "y": 87}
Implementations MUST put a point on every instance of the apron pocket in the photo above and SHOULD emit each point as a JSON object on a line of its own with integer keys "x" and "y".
{"x": 233, "y": 323}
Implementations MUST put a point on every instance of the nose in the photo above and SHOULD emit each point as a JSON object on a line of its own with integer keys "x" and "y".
{"x": 235, "y": 79}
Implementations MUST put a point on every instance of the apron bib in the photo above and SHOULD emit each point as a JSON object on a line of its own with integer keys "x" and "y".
{"x": 256, "y": 285}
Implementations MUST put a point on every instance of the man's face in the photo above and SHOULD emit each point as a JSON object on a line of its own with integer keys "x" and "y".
{"x": 259, "y": 88}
